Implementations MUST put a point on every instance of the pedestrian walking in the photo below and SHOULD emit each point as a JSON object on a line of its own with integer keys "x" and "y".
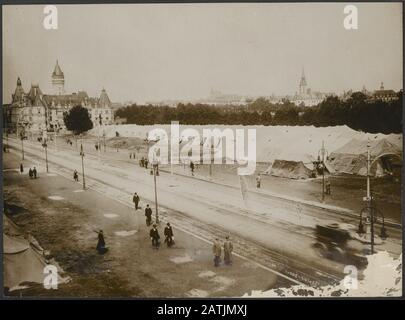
{"x": 258, "y": 181}
{"x": 30, "y": 173}
{"x": 228, "y": 248}
{"x": 146, "y": 163}
{"x": 135, "y": 200}
{"x": 148, "y": 215}
{"x": 34, "y": 172}
{"x": 101, "y": 248}
{"x": 169, "y": 237}
{"x": 327, "y": 187}
{"x": 76, "y": 176}
{"x": 21, "y": 168}
{"x": 154, "y": 236}
{"x": 217, "y": 252}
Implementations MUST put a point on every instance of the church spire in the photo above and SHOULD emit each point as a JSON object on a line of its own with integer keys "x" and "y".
{"x": 303, "y": 82}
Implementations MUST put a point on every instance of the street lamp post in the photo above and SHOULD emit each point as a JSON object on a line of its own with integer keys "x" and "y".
{"x": 211, "y": 155}
{"x": 82, "y": 155}
{"x": 370, "y": 209}
{"x": 155, "y": 167}
{"x": 98, "y": 138}
{"x": 22, "y": 137}
{"x": 55, "y": 128}
{"x": 321, "y": 160}
{"x": 105, "y": 146}
{"x": 45, "y": 145}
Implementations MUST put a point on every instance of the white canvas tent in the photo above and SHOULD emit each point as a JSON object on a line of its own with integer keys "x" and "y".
{"x": 352, "y": 157}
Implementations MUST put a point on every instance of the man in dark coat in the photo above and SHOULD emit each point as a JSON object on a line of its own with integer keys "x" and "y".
{"x": 217, "y": 250}
{"x": 146, "y": 163}
{"x": 168, "y": 232}
{"x": 135, "y": 200}
{"x": 154, "y": 236}
{"x": 30, "y": 173}
{"x": 228, "y": 248}
{"x": 148, "y": 215}
{"x": 76, "y": 176}
{"x": 34, "y": 172}
{"x": 21, "y": 168}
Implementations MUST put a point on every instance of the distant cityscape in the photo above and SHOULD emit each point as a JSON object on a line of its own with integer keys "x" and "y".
{"x": 304, "y": 97}
{"x": 45, "y": 111}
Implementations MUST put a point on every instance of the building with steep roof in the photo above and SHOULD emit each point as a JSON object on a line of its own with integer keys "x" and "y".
{"x": 36, "y": 111}
{"x": 385, "y": 95}
{"x": 27, "y": 110}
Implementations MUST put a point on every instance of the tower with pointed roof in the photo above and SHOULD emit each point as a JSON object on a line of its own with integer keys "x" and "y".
{"x": 58, "y": 80}
{"x": 18, "y": 95}
{"x": 303, "y": 83}
{"x": 104, "y": 101}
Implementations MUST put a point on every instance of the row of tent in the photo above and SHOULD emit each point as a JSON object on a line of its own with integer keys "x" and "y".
{"x": 349, "y": 159}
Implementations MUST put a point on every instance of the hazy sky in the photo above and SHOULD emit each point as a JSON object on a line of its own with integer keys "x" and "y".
{"x": 154, "y": 52}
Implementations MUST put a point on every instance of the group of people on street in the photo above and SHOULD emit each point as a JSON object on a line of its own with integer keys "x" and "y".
{"x": 154, "y": 233}
{"x": 144, "y": 162}
{"x": 155, "y": 237}
{"x": 258, "y": 182}
{"x": 217, "y": 250}
{"x": 32, "y": 173}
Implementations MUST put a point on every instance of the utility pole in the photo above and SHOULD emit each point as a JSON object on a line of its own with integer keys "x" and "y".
{"x": 98, "y": 138}
{"x": 155, "y": 166}
{"x": 321, "y": 159}
{"x": 105, "y": 146}
{"x": 211, "y": 154}
{"x": 82, "y": 155}
{"x": 370, "y": 208}
{"x": 22, "y": 137}
{"x": 54, "y": 131}
{"x": 45, "y": 145}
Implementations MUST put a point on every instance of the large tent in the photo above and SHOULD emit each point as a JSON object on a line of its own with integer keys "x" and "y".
{"x": 290, "y": 169}
{"x": 22, "y": 261}
{"x": 352, "y": 157}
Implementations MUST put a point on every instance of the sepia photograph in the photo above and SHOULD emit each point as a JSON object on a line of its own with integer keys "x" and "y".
{"x": 202, "y": 150}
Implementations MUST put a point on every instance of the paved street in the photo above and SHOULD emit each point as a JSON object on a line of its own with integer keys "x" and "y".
{"x": 286, "y": 229}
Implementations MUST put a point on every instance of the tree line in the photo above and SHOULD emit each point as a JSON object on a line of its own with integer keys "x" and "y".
{"x": 357, "y": 112}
